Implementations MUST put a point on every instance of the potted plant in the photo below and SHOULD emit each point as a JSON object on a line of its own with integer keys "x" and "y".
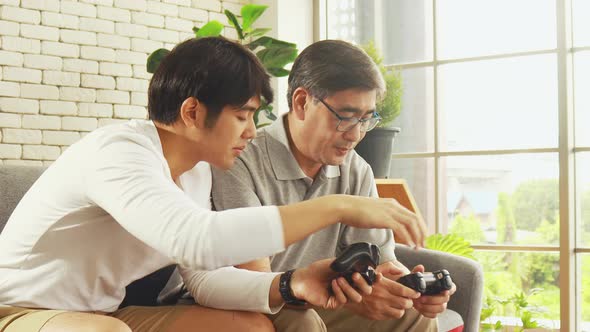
{"x": 274, "y": 54}
{"x": 377, "y": 146}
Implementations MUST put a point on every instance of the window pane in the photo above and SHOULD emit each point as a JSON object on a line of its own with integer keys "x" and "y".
{"x": 582, "y": 97}
{"x": 346, "y": 18}
{"x": 498, "y": 104}
{"x": 419, "y": 174}
{"x": 407, "y": 31}
{"x": 583, "y": 193}
{"x": 504, "y": 199}
{"x": 581, "y": 23}
{"x": 510, "y": 275}
{"x": 584, "y": 299}
{"x": 402, "y": 29}
{"x": 468, "y": 28}
{"x": 416, "y": 119}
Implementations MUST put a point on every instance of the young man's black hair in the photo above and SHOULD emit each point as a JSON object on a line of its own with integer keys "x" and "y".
{"x": 214, "y": 70}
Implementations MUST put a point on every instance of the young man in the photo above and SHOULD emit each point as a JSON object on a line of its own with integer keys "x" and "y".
{"x": 129, "y": 199}
{"x": 308, "y": 153}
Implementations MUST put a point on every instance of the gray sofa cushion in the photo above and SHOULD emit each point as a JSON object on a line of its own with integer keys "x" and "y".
{"x": 14, "y": 183}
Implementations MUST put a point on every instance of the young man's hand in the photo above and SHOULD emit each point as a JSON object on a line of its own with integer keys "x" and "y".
{"x": 389, "y": 299}
{"x": 314, "y": 282}
{"x": 365, "y": 212}
{"x": 432, "y": 305}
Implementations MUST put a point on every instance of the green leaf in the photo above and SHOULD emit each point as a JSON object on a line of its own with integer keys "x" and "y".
{"x": 527, "y": 320}
{"x": 269, "y": 42}
{"x": 153, "y": 61}
{"x": 498, "y": 325}
{"x": 450, "y": 243}
{"x": 267, "y": 109}
{"x": 234, "y": 22}
{"x": 250, "y": 13}
{"x": 257, "y": 32}
{"x": 277, "y": 57}
{"x": 269, "y": 114}
{"x": 278, "y": 72}
{"x": 486, "y": 313}
{"x": 211, "y": 29}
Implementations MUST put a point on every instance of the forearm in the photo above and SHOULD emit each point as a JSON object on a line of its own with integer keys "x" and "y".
{"x": 234, "y": 289}
{"x": 302, "y": 219}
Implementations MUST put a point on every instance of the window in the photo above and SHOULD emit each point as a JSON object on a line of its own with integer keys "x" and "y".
{"x": 495, "y": 133}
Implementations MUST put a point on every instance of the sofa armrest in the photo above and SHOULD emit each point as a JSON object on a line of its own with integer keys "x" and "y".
{"x": 466, "y": 274}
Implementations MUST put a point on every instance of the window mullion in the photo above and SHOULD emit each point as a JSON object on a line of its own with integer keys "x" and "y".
{"x": 566, "y": 168}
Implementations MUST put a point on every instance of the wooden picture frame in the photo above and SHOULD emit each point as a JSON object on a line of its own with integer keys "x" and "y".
{"x": 398, "y": 189}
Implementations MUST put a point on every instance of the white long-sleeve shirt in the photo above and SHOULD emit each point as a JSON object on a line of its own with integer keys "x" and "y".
{"x": 107, "y": 212}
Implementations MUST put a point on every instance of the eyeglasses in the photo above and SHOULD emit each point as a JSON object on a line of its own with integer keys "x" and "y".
{"x": 347, "y": 123}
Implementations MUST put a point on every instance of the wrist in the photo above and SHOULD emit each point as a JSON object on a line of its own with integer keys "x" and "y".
{"x": 339, "y": 205}
{"x": 290, "y": 287}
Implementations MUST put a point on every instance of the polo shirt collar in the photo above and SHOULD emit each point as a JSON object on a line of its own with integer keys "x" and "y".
{"x": 283, "y": 161}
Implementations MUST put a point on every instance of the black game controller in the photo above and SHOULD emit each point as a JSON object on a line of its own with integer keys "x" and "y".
{"x": 428, "y": 283}
{"x": 361, "y": 257}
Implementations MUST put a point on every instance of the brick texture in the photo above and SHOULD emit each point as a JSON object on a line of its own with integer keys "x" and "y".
{"x": 68, "y": 67}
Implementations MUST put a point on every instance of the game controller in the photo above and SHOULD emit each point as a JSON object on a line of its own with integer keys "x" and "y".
{"x": 361, "y": 257}
{"x": 428, "y": 283}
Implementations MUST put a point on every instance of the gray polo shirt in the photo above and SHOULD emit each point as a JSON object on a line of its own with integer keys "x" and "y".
{"x": 266, "y": 173}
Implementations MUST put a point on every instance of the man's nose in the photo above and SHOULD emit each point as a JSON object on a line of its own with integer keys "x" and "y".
{"x": 354, "y": 134}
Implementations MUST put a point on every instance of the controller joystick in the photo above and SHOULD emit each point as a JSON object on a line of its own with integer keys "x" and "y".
{"x": 361, "y": 257}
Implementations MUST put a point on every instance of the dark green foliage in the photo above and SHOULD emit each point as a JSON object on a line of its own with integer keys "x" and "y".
{"x": 389, "y": 107}
{"x": 153, "y": 61}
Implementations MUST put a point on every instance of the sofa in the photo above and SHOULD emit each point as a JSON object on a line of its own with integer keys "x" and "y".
{"x": 467, "y": 274}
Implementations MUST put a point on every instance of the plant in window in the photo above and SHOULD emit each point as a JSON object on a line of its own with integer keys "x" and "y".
{"x": 377, "y": 146}
{"x": 450, "y": 243}
{"x": 390, "y": 105}
{"x": 274, "y": 54}
{"x": 519, "y": 302}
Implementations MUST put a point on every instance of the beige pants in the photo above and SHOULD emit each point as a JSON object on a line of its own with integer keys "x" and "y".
{"x": 139, "y": 319}
{"x": 342, "y": 320}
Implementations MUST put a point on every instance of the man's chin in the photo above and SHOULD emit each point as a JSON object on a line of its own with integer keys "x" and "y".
{"x": 336, "y": 161}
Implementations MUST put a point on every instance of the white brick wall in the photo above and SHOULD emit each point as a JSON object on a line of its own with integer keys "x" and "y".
{"x": 68, "y": 67}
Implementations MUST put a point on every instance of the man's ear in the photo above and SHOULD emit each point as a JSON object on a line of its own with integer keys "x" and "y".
{"x": 299, "y": 102}
{"x": 193, "y": 113}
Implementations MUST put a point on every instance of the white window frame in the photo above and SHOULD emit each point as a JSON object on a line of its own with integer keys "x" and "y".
{"x": 570, "y": 301}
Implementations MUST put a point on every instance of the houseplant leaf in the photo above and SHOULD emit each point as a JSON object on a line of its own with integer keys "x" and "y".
{"x": 211, "y": 29}
{"x": 277, "y": 57}
{"x": 269, "y": 42}
{"x": 389, "y": 107}
{"x": 250, "y": 13}
{"x": 257, "y": 32}
{"x": 234, "y": 22}
{"x": 153, "y": 61}
{"x": 450, "y": 243}
{"x": 275, "y": 54}
{"x": 278, "y": 72}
